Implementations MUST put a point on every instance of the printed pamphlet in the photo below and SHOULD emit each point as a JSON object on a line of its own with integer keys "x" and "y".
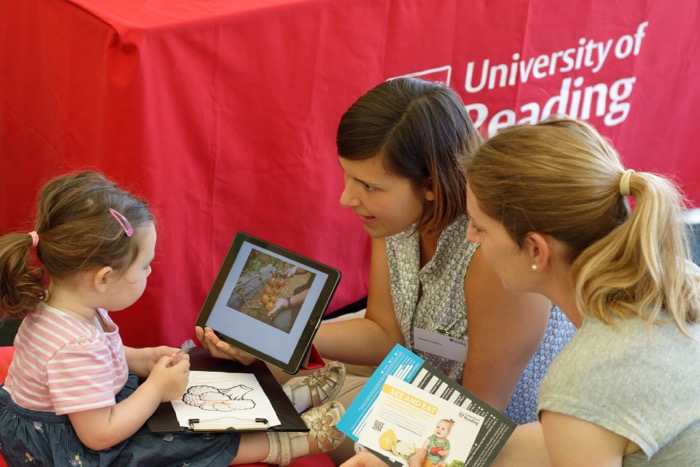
{"x": 410, "y": 410}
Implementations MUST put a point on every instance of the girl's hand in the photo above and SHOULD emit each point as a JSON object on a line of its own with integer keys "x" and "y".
{"x": 142, "y": 360}
{"x": 104, "y": 427}
{"x": 156, "y": 353}
{"x": 220, "y": 349}
{"x": 170, "y": 380}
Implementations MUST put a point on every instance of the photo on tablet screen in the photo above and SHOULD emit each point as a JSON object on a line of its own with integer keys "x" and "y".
{"x": 268, "y": 301}
{"x": 267, "y": 286}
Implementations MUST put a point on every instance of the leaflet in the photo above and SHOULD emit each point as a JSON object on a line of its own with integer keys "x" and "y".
{"x": 410, "y": 410}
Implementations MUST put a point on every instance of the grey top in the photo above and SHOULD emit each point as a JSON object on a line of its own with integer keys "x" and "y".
{"x": 639, "y": 382}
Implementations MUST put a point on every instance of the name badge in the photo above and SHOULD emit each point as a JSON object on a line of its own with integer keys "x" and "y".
{"x": 439, "y": 344}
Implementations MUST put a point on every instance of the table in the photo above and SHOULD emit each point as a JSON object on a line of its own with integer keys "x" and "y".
{"x": 222, "y": 113}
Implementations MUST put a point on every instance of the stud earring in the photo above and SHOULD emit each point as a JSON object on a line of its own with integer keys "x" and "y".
{"x": 534, "y": 267}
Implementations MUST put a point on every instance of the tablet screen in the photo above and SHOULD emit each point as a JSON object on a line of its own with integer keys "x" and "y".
{"x": 269, "y": 301}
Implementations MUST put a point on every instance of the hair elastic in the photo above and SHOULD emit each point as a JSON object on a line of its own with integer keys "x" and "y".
{"x": 35, "y": 238}
{"x": 123, "y": 221}
{"x": 625, "y": 182}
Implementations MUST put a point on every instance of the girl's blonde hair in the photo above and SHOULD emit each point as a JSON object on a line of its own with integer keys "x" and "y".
{"x": 76, "y": 232}
{"x": 562, "y": 179}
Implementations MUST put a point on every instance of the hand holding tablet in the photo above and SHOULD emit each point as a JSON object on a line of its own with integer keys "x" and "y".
{"x": 221, "y": 349}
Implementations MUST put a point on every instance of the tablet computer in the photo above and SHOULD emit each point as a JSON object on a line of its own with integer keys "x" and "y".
{"x": 269, "y": 301}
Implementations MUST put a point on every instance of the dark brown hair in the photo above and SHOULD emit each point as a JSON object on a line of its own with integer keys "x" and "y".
{"x": 422, "y": 131}
{"x": 76, "y": 233}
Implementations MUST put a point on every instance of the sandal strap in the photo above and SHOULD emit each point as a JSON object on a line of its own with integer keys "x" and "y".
{"x": 320, "y": 386}
{"x": 323, "y": 435}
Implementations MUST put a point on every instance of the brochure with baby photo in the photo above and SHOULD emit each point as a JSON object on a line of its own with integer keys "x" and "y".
{"x": 409, "y": 410}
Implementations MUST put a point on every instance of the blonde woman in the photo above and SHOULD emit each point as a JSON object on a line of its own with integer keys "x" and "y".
{"x": 549, "y": 206}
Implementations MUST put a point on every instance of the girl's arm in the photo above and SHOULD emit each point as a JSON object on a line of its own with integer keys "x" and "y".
{"x": 365, "y": 341}
{"x": 505, "y": 330}
{"x": 141, "y": 361}
{"x": 103, "y": 428}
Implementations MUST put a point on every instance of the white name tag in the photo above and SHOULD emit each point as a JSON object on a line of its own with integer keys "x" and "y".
{"x": 440, "y": 345}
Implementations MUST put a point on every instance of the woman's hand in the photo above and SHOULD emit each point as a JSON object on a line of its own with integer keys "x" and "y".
{"x": 419, "y": 458}
{"x": 220, "y": 349}
{"x": 363, "y": 459}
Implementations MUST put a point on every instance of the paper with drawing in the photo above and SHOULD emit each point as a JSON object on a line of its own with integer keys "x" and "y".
{"x": 218, "y": 398}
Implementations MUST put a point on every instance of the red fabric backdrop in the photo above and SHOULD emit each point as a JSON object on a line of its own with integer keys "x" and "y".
{"x": 223, "y": 113}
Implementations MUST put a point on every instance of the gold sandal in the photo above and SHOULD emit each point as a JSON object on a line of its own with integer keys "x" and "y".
{"x": 323, "y": 436}
{"x": 313, "y": 390}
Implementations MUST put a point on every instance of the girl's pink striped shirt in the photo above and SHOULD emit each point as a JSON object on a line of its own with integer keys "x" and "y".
{"x": 64, "y": 365}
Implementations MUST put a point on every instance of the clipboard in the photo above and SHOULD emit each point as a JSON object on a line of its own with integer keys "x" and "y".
{"x": 164, "y": 419}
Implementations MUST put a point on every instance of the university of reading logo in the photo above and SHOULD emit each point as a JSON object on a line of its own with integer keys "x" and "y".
{"x": 576, "y": 97}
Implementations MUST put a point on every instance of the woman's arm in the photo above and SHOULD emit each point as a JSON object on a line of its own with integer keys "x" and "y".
{"x": 505, "y": 330}
{"x": 364, "y": 459}
{"x": 573, "y": 442}
{"x": 365, "y": 341}
{"x": 524, "y": 448}
{"x": 105, "y": 427}
{"x": 562, "y": 440}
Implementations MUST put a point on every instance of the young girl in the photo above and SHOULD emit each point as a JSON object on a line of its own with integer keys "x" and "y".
{"x": 72, "y": 394}
{"x": 401, "y": 147}
{"x": 625, "y": 390}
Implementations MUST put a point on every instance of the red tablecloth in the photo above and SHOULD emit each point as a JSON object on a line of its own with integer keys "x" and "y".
{"x": 223, "y": 113}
